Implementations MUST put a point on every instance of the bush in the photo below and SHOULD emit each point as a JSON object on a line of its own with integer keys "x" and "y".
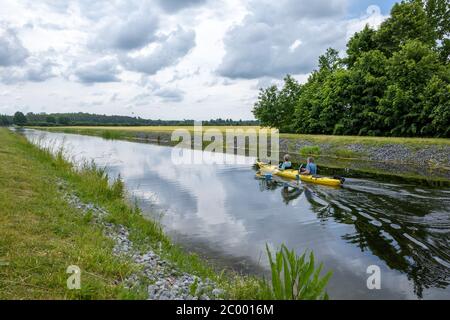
{"x": 310, "y": 151}
{"x": 19, "y": 119}
{"x": 345, "y": 153}
{"x": 111, "y": 135}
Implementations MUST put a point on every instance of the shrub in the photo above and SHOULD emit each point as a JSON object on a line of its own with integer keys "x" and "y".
{"x": 345, "y": 153}
{"x": 110, "y": 134}
{"x": 296, "y": 277}
{"x": 310, "y": 151}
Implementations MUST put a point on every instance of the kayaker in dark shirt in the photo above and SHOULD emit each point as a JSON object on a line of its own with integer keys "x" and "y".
{"x": 311, "y": 168}
{"x": 286, "y": 164}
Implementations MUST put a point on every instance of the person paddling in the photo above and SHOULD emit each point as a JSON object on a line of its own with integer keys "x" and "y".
{"x": 286, "y": 164}
{"x": 311, "y": 168}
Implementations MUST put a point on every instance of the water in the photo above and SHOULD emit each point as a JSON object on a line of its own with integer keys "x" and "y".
{"x": 227, "y": 214}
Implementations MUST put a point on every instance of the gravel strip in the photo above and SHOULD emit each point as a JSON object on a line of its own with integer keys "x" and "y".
{"x": 167, "y": 283}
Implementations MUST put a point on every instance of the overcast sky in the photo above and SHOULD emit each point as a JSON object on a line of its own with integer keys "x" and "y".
{"x": 167, "y": 59}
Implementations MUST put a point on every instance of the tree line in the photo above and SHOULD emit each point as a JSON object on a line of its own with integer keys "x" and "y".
{"x": 393, "y": 81}
{"x": 87, "y": 119}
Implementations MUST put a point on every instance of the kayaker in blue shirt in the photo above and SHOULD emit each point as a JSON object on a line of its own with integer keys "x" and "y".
{"x": 311, "y": 168}
{"x": 286, "y": 164}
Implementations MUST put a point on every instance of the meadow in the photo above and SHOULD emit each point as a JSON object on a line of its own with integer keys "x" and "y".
{"x": 333, "y": 139}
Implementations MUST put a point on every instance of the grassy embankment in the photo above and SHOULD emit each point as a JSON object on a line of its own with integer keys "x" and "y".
{"x": 131, "y": 132}
{"x": 423, "y": 160}
{"x": 330, "y": 150}
{"x": 135, "y": 133}
{"x": 41, "y": 235}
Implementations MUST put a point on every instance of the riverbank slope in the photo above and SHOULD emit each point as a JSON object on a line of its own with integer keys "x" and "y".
{"x": 418, "y": 158}
{"x": 53, "y": 216}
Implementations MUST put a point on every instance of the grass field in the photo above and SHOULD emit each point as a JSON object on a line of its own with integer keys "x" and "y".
{"x": 41, "y": 235}
{"x": 344, "y": 140}
{"x": 424, "y": 159}
{"x": 339, "y": 140}
{"x": 159, "y": 128}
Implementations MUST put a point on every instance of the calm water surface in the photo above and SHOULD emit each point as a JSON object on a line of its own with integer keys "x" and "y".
{"x": 228, "y": 215}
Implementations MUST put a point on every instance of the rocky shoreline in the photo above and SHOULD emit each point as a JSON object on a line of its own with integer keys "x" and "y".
{"x": 162, "y": 279}
{"x": 428, "y": 156}
{"x": 427, "y": 163}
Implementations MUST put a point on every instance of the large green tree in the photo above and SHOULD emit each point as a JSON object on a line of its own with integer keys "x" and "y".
{"x": 19, "y": 119}
{"x": 4, "y": 121}
{"x": 393, "y": 81}
{"x": 408, "y": 21}
{"x": 367, "y": 82}
{"x": 317, "y": 106}
{"x": 437, "y": 107}
{"x": 409, "y": 71}
{"x": 438, "y": 14}
{"x": 275, "y": 108}
{"x": 361, "y": 42}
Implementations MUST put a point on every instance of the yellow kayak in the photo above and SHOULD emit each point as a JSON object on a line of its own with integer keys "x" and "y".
{"x": 293, "y": 174}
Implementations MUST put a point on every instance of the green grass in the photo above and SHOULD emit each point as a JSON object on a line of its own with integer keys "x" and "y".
{"x": 42, "y": 235}
{"x": 364, "y": 140}
{"x": 326, "y": 147}
{"x": 317, "y": 139}
{"x": 342, "y": 153}
{"x": 110, "y": 134}
{"x": 145, "y": 129}
{"x": 310, "y": 151}
{"x": 337, "y": 145}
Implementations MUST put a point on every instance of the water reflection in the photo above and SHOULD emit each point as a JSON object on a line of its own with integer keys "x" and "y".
{"x": 288, "y": 191}
{"x": 228, "y": 214}
{"x": 408, "y": 231}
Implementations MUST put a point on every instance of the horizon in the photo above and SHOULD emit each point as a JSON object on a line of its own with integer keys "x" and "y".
{"x": 125, "y": 116}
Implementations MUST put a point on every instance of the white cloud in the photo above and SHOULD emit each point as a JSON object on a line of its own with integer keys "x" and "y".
{"x": 166, "y": 53}
{"x": 18, "y": 65}
{"x": 193, "y": 58}
{"x": 286, "y": 36}
{"x": 297, "y": 43}
{"x": 170, "y": 94}
{"x": 133, "y": 31}
{"x": 12, "y": 52}
{"x": 102, "y": 70}
{"x": 177, "y": 5}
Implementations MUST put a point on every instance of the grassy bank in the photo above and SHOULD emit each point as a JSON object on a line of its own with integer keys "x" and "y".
{"x": 42, "y": 235}
{"x": 419, "y": 158}
{"x": 315, "y": 139}
{"x": 145, "y": 128}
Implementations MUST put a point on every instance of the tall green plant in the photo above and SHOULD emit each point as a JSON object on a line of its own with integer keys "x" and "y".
{"x": 296, "y": 277}
{"x": 386, "y": 85}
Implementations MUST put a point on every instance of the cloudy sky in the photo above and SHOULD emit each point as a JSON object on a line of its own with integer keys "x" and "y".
{"x": 167, "y": 59}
